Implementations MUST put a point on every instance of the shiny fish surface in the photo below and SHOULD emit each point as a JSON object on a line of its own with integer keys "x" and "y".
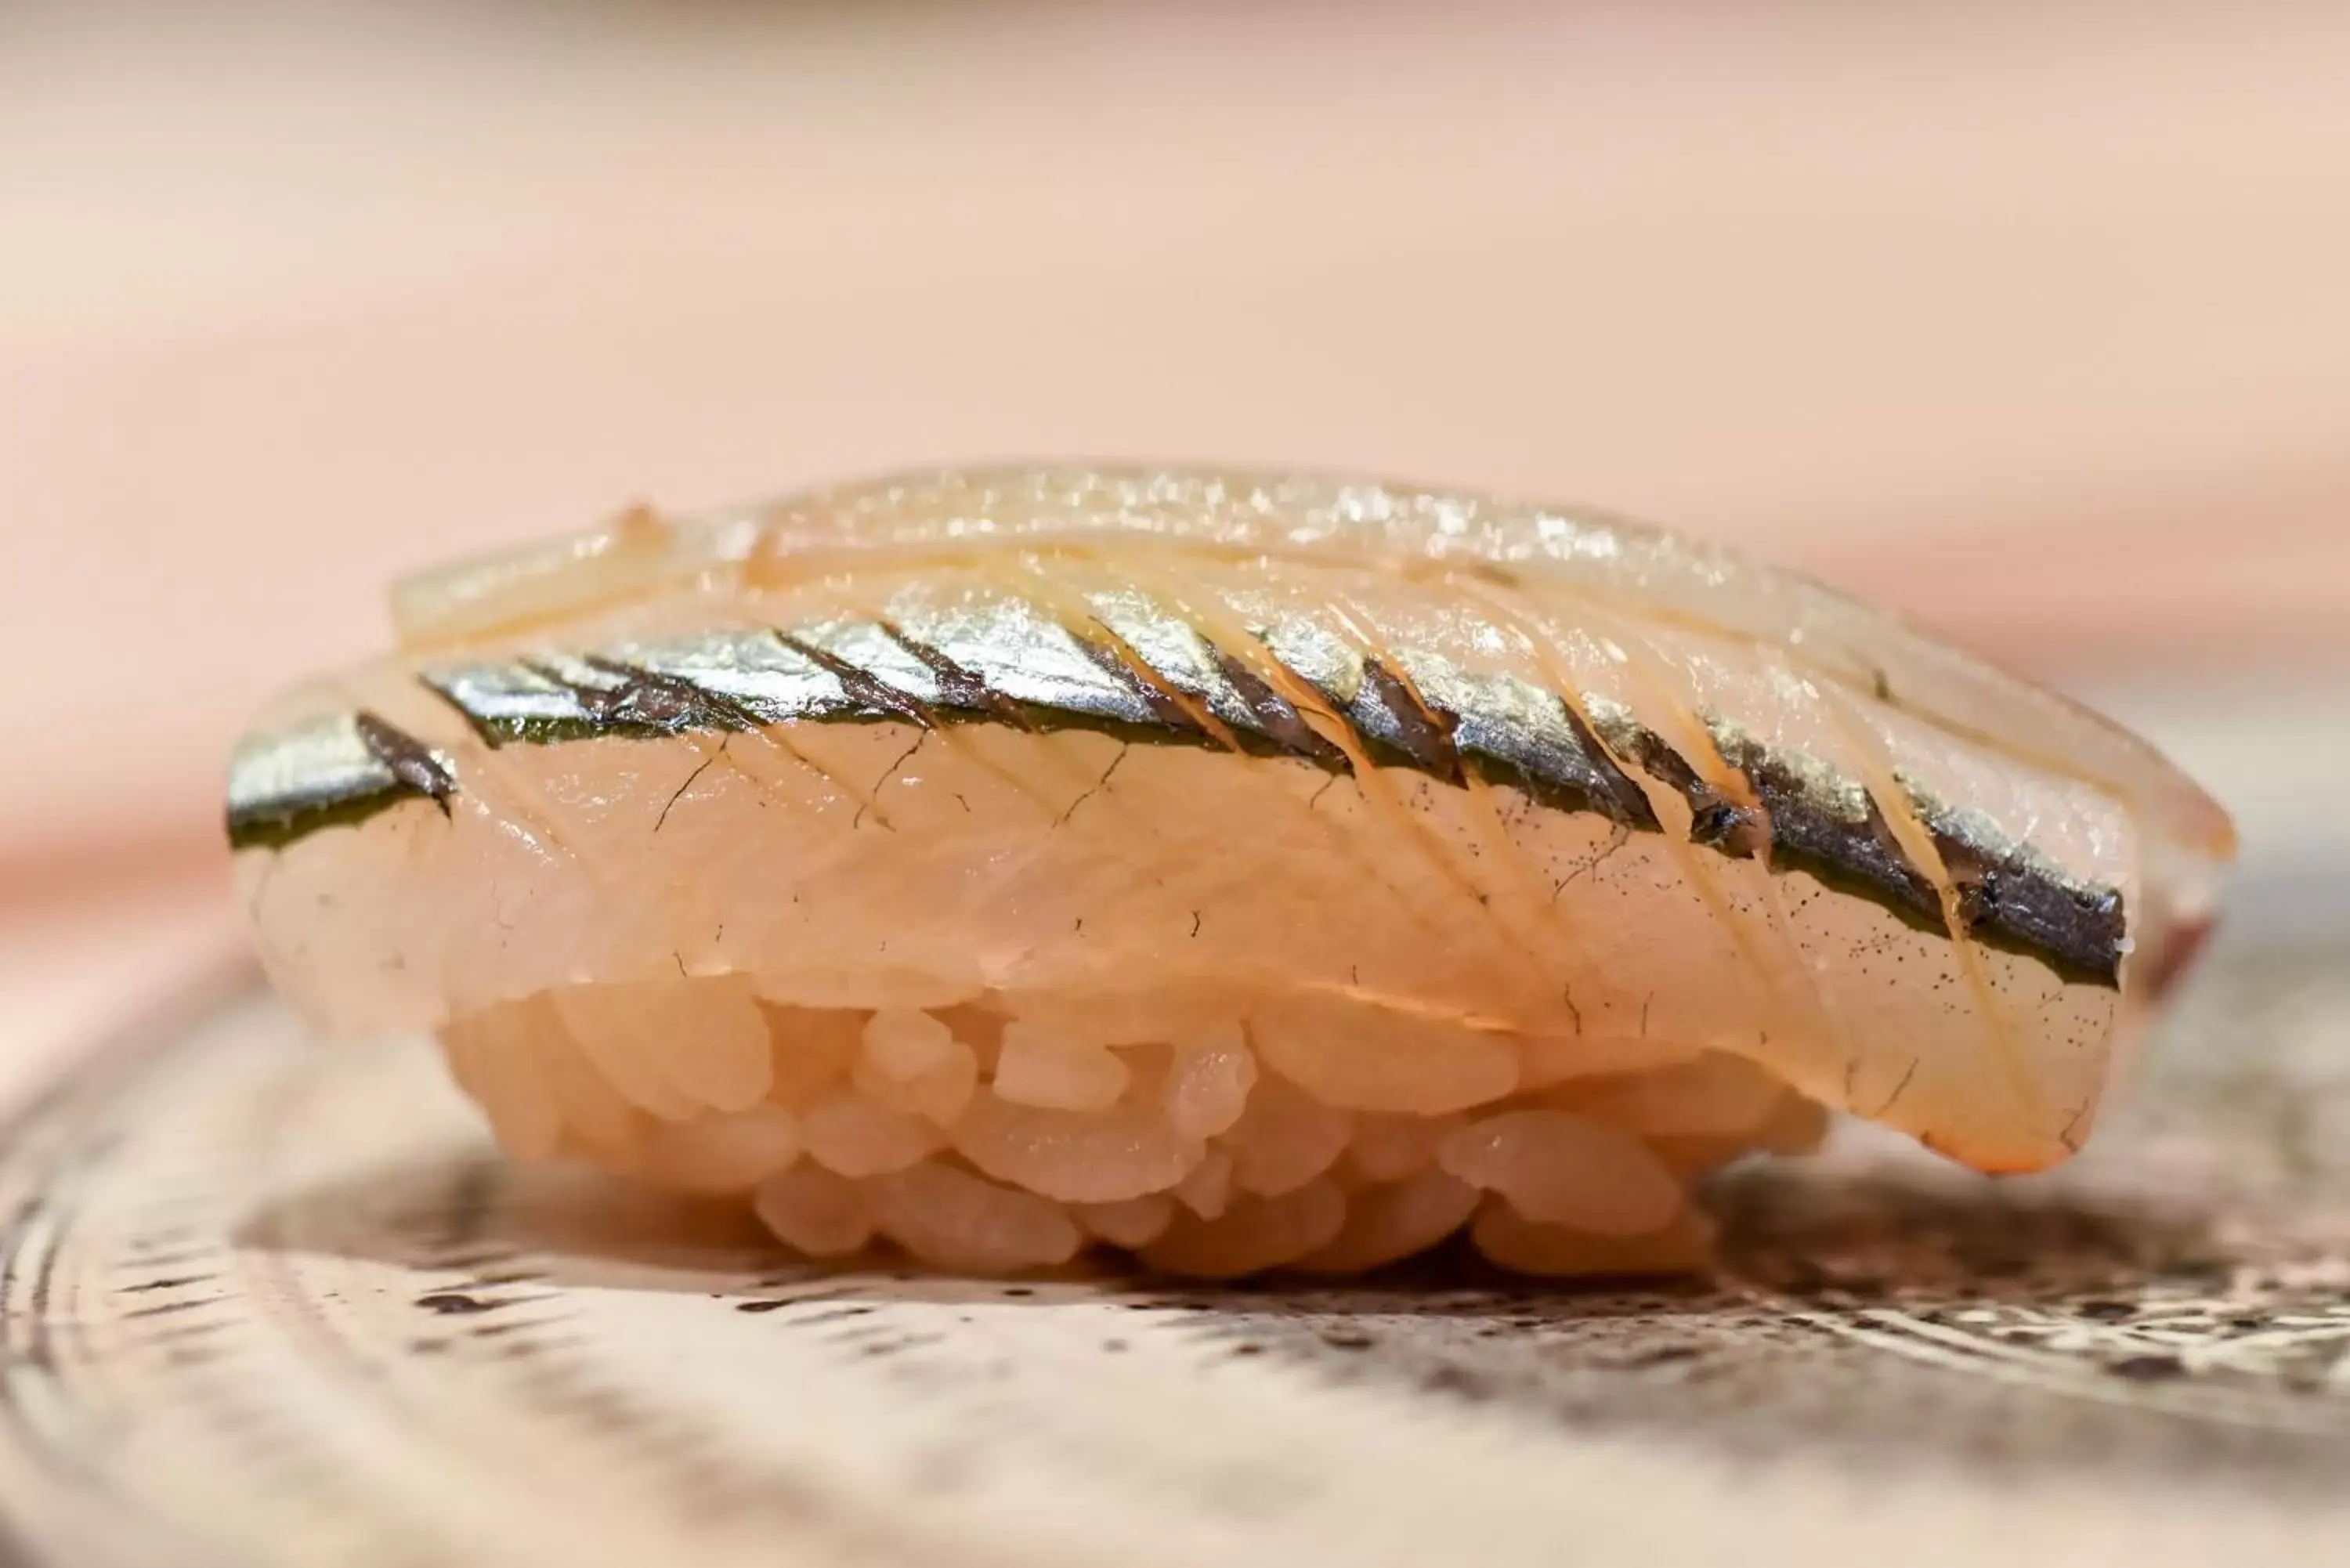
{"x": 1412, "y": 784}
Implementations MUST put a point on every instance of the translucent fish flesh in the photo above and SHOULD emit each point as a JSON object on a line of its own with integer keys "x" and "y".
{"x": 1247, "y": 872}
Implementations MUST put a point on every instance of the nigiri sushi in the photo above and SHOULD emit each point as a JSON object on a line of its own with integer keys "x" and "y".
{"x": 1244, "y": 871}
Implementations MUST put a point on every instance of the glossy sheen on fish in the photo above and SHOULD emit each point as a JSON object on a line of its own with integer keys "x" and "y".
{"x": 1120, "y": 739}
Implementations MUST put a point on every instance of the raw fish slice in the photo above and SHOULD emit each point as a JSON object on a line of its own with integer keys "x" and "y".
{"x": 1255, "y": 872}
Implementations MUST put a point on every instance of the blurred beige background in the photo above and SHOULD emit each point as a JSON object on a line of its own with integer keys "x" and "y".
{"x": 2030, "y": 319}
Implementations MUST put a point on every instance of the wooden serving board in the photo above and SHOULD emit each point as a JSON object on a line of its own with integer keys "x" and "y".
{"x": 270, "y": 1303}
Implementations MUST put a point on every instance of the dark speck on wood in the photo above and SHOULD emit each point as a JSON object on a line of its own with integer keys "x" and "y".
{"x": 1455, "y": 1381}
{"x": 2148, "y": 1368}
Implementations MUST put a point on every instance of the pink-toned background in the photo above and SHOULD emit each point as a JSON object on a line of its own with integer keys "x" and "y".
{"x": 2035, "y": 320}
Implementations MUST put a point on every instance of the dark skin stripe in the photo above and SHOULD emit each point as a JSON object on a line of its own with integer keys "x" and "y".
{"x": 497, "y": 732}
{"x": 1716, "y": 821}
{"x": 283, "y": 823}
{"x": 1424, "y": 734}
{"x": 2006, "y": 903}
{"x": 408, "y": 759}
{"x": 1116, "y": 661}
{"x": 1277, "y": 720}
{"x": 876, "y": 695}
{"x": 1862, "y": 858}
{"x": 416, "y": 774}
{"x": 1551, "y": 793}
{"x": 1615, "y": 794}
{"x": 724, "y": 712}
{"x": 644, "y": 703}
{"x": 958, "y": 687}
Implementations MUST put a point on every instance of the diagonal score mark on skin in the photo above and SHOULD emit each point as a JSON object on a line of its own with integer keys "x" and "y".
{"x": 1542, "y": 643}
{"x": 772, "y": 737}
{"x": 1493, "y": 831}
{"x": 1901, "y": 814}
{"x": 530, "y": 806}
{"x": 1188, "y": 599}
{"x": 1644, "y": 664}
{"x": 1378, "y": 793}
{"x": 969, "y": 744}
{"x": 1378, "y": 788}
{"x": 1355, "y": 619}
